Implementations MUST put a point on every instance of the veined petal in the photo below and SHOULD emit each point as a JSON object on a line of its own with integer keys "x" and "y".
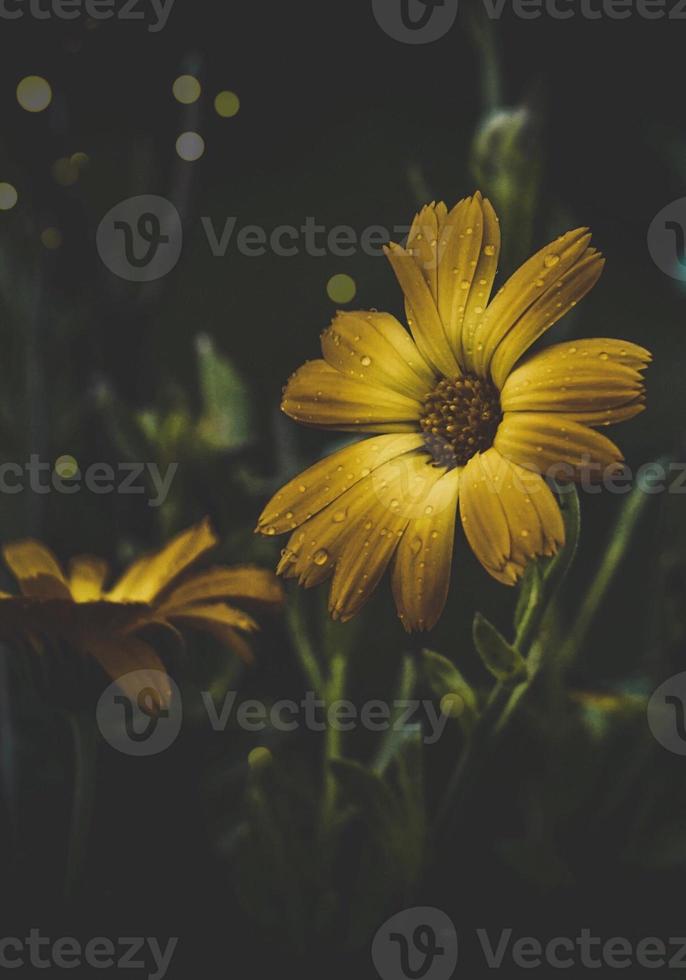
{"x": 545, "y": 312}
{"x": 395, "y": 488}
{"x": 586, "y": 378}
{"x": 542, "y": 441}
{"x": 469, "y": 263}
{"x": 376, "y": 349}
{"x": 609, "y": 416}
{"x": 131, "y": 662}
{"x": 87, "y": 575}
{"x": 146, "y": 578}
{"x": 321, "y": 484}
{"x": 422, "y": 312}
{"x": 422, "y": 563}
{"x": 396, "y": 494}
{"x": 528, "y": 285}
{"x": 215, "y": 612}
{"x": 240, "y": 583}
{"x": 36, "y": 569}
{"x": 317, "y": 394}
{"x": 423, "y": 242}
{"x": 509, "y": 515}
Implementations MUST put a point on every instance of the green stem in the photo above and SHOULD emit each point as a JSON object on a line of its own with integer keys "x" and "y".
{"x": 85, "y": 755}
{"x": 597, "y": 591}
{"x": 333, "y": 739}
{"x": 303, "y": 645}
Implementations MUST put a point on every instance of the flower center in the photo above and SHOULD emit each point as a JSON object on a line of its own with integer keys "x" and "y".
{"x": 460, "y": 418}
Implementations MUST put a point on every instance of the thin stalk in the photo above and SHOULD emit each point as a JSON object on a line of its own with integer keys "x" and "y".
{"x": 85, "y": 754}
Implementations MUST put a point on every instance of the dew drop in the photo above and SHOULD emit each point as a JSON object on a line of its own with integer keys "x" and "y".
{"x": 339, "y": 516}
{"x": 321, "y": 557}
{"x": 489, "y": 250}
{"x": 365, "y": 361}
{"x": 551, "y": 260}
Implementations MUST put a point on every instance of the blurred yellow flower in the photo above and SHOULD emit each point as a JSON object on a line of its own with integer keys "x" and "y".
{"x": 157, "y": 590}
{"x": 461, "y": 417}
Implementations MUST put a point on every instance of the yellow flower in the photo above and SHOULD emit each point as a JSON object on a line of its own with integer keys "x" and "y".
{"x": 77, "y": 608}
{"x": 461, "y": 416}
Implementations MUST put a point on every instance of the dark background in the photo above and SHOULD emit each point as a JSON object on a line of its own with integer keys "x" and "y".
{"x": 335, "y": 120}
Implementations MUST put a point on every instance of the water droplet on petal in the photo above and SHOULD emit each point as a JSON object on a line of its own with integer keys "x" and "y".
{"x": 551, "y": 260}
{"x": 365, "y": 361}
{"x": 321, "y": 557}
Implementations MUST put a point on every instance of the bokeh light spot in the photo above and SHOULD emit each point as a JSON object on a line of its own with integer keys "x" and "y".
{"x": 227, "y": 104}
{"x": 341, "y": 288}
{"x": 190, "y": 146}
{"x": 259, "y": 757}
{"x": 8, "y": 197}
{"x": 34, "y": 93}
{"x": 66, "y": 467}
{"x": 186, "y": 89}
{"x": 65, "y": 171}
{"x": 51, "y": 238}
{"x": 80, "y": 160}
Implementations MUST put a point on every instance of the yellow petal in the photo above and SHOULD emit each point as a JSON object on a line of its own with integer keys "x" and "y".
{"x": 469, "y": 261}
{"x": 87, "y": 575}
{"x": 146, "y": 578}
{"x": 423, "y": 242}
{"x": 509, "y": 515}
{"x": 585, "y": 376}
{"x": 393, "y": 496}
{"x": 422, "y": 312}
{"x": 545, "y": 312}
{"x": 377, "y": 349}
{"x": 422, "y": 563}
{"x": 36, "y": 570}
{"x": 317, "y": 394}
{"x": 199, "y": 615}
{"x": 609, "y": 416}
{"x": 314, "y": 549}
{"x": 531, "y": 283}
{"x": 324, "y": 482}
{"x": 132, "y": 663}
{"x": 541, "y": 442}
{"x": 240, "y": 583}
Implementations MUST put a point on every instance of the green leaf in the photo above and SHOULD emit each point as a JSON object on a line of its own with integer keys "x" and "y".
{"x": 500, "y": 658}
{"x": 225, "y": 421}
